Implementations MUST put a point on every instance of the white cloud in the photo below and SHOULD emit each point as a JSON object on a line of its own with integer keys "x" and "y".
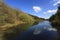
{"x": 50, "y": 11}
{"x": 56, "y": 2}
{"x": 36, "y": 9}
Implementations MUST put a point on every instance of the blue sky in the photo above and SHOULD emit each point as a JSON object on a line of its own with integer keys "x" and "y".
{"x": 40, "y": 8}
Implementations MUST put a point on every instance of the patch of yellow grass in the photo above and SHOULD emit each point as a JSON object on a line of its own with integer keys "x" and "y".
{"x": 6, "y": 26}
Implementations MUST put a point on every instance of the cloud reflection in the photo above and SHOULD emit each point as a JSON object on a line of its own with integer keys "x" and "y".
{"x": 36, "y": 31}
{"x": 50, "y": 29}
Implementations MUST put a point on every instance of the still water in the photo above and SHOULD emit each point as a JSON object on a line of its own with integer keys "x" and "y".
{"x": 41, "y": 31}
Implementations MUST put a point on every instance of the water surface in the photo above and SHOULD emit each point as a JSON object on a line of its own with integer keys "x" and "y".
{"x": 41, "y": 31}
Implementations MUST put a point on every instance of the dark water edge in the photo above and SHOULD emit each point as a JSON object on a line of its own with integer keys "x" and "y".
{"x": 19, "y": 33}
{"x": 57, "y": 26}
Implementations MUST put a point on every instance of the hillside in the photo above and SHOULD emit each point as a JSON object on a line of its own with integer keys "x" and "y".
{"x": 55, "y": 19}
{"x": 9, "y": 15}
{"x": 37, "y": 19}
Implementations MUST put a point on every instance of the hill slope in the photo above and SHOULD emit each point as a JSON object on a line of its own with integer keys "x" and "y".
{"x": 10, "y": 16}
{"x": 55, "y": 19}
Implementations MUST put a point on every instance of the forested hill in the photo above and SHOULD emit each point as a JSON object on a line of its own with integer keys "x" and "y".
{"x": 55, "y": 19}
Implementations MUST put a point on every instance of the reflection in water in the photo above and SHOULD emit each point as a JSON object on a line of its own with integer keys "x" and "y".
{"x": 52, "y": 29}
{"x": 36, "y": 31}
{"x": 41, "y": 31}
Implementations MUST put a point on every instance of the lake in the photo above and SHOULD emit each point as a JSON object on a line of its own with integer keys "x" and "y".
{"x": 41, "y": 31}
